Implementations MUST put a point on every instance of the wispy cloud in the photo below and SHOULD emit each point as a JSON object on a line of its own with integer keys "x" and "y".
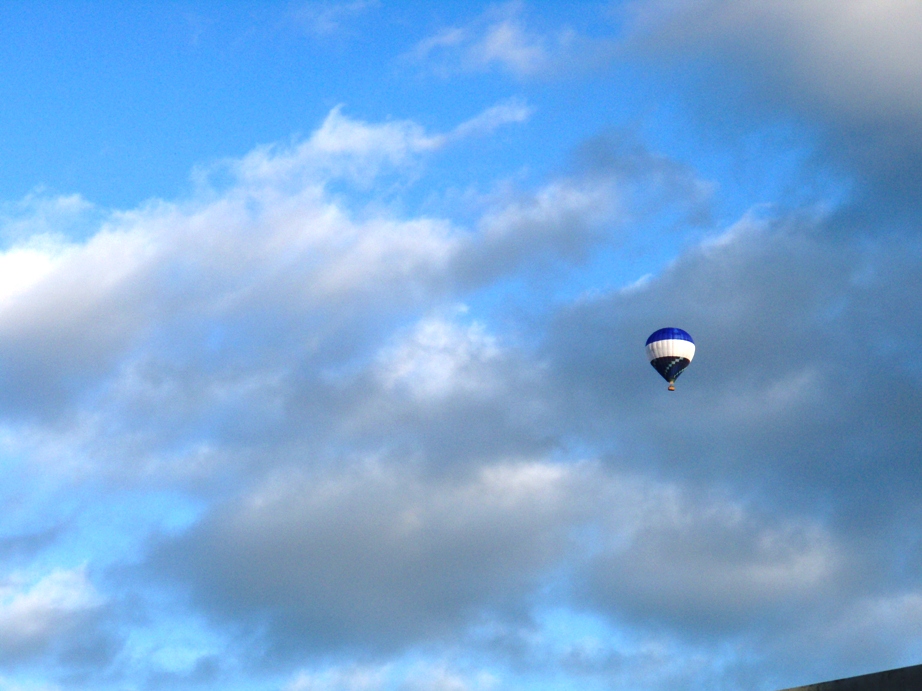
{"x": 325, "y": 18}
{"x": 355, "y": 149}
{"x": 501, "y": 40}
{"x": 514, "y": 110}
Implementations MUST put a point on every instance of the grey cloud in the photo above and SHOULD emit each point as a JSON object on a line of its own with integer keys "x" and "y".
{"x": 800, "y": 403}
{"x": 25, "y": 546}
{"x": 847, "y": 72}
{"x": 796, "y": 327}
{"x": 713, "y": 569}
{"x": 857, "y": 57}
{"x": 375, "y": 557}
{"x": 646, "y": 184}
{"x": 615, "y": 183}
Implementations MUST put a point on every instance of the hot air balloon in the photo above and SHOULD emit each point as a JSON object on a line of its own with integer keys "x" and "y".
{"x": 670, "y": 351}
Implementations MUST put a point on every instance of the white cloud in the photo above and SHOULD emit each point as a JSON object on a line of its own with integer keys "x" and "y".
{"x": 352, "y": 678}
{"x": 441, "y": 678}
{"x": 7, "y": 684}
{"x": 23, "y": 266}
{"x": 440, "y": 358}
{"x": 419, "y": 676}
{"x": 394, "y": 141}
{"x": 507, "y": 44}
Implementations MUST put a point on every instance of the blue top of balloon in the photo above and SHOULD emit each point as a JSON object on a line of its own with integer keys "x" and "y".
{"x": 669, "y": 333}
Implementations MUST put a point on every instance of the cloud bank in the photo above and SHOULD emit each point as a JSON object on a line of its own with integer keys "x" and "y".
{"x": 361, "y": 464}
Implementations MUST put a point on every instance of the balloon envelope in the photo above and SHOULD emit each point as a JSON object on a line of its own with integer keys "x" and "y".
{"x": 670, "y": 351}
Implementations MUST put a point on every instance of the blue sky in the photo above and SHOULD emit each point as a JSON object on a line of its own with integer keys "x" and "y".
{"x": 321, "y": 344}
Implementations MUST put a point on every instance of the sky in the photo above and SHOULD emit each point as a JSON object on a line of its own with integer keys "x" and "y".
{"x": 322, "y": 341}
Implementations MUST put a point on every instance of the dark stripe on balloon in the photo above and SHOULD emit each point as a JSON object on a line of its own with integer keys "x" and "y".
{"x": 670, "y": 367}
